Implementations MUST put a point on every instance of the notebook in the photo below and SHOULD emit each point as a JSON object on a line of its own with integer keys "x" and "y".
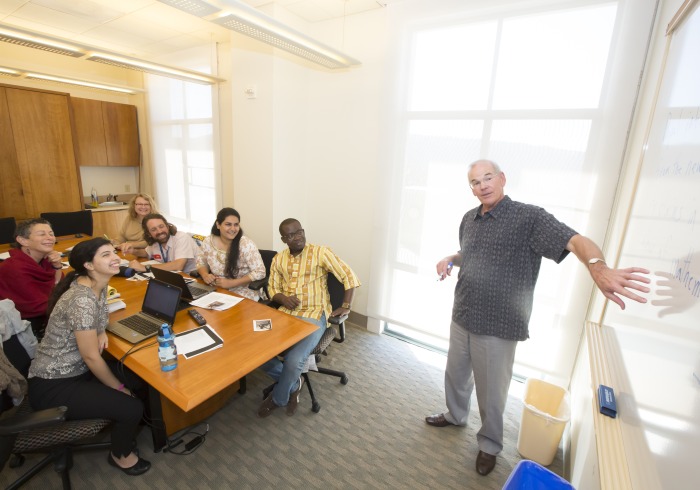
{"x": 159, "y": 306}
{"x": 190, "y": 291}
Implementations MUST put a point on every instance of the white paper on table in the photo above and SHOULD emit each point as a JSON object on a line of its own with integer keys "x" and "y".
{"x": 197, "y": 341}
{"x": 192, "y": 342}
{"x": 217, "y": 301}
{"x": 141, "y": 276}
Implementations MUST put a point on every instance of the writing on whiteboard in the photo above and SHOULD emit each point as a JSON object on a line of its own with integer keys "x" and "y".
{"x": 684, "y": 274}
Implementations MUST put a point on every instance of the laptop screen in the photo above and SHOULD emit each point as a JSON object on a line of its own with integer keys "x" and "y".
{"x": 161, "y": 300}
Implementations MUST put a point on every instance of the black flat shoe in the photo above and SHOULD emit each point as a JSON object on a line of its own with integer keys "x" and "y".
{"x": 141, "y": 466}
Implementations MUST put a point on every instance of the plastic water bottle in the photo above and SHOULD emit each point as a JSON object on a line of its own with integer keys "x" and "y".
{"x": 167, "y": 351}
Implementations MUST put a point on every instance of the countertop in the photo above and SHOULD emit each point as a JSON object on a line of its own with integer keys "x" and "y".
{"x": 116, "y": 207}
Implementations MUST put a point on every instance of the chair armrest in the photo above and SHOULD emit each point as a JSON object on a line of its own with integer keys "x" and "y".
{"x": 260, "y": 283}
{"x": 341, "y": 332}
{"x": 338, "y": 320}
{"x": 33, "y": 420}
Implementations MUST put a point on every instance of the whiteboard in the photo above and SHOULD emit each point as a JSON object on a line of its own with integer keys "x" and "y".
{"x": 659, "y": 343}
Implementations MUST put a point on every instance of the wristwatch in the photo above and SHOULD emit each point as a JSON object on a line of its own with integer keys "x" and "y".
{"x": 346, "y": 306}
{"x": 148, "y": 268}
{"x": 595, "y": 260}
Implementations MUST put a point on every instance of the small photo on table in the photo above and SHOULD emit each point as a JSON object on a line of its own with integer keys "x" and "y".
{"x": 261, "y": 325}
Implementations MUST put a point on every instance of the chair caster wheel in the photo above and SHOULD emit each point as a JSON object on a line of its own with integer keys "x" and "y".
{"x": 316, "y": 407}
{"x": 344, "y": 380}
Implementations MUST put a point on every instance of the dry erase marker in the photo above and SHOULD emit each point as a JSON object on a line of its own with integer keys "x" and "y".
{"x": 449, "y": 268}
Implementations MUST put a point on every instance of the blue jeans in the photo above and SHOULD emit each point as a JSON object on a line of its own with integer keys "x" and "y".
{"x": 287, "y": 373}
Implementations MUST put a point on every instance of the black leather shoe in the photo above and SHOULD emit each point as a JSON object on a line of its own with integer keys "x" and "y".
{"x": 294, "y": 398}
{"x": 141, "y": 466}
{"x": 485, "y": 463}
{"x": 438, "y": 420}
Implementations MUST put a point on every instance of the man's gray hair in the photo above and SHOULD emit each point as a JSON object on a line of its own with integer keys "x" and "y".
{"x": 495, "y": 166}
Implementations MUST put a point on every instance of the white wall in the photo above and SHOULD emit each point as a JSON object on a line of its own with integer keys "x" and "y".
{"x": 308, "y": 146}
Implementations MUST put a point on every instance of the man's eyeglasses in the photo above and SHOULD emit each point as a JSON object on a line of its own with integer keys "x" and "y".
{"x": 485, "y": 181}
{"x": 292, "y": 236}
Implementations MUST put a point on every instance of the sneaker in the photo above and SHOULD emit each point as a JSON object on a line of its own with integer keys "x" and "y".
{"x": 294, "y": 398}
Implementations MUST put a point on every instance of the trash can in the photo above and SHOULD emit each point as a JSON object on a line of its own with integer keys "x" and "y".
{"x": 545, "y": 415}
{"x": 528, "y": 475}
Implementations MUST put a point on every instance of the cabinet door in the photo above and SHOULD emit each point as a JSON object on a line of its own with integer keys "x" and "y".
{"x": 12, "y": 203}
{"x": 43, "y": 141}
{"x": 121, "y": 134}
{"x": 108, "y": 222}
{"x": 89, "y": 132}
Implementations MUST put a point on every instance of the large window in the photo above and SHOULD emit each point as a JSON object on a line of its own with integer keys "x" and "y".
{"x": 182, "y": 136}
{"x": 530, "y": 90}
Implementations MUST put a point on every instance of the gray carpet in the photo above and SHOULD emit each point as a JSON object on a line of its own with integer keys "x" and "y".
{"x": 369, "y": 433}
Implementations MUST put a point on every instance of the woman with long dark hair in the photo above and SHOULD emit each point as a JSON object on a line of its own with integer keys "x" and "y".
{"x": 68, "y": 369}
{"x": 227, "y": 258}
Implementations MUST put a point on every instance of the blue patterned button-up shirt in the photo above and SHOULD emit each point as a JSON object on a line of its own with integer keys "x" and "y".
{"x": 501, "y": 256}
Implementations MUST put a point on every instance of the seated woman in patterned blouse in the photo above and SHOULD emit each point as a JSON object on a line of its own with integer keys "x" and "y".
{"x": 68, "y": 369}
{"x": 228, "y": 259}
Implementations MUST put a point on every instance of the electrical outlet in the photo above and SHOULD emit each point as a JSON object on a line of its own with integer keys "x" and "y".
{"x": 127, "y": 188}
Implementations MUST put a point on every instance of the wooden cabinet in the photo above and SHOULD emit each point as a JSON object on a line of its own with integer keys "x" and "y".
{"x": 37, "y": 161}
{"x": 12, "y": 202}
{"x": 108, "y": 222}
{"x": 105, "y": 133}
{"x": 89, "y": 132}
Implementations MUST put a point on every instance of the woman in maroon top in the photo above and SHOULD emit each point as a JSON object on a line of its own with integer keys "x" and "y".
{"x": 28, "y": 276}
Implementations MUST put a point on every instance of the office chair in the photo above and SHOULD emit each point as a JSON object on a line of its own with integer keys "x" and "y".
{"x": 71, "y": 223}
{"x": 7, "y": 230}
{"x": 261, "y": 284}
{"x": 334, "y": 333}
{"x": 45, "y": 431}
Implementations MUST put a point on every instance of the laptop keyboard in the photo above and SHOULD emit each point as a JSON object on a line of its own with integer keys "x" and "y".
{"x": 140, "y": 325}
{"x": 195, "y": 290}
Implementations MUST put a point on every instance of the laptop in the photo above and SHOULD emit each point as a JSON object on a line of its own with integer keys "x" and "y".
{"x": 159, "y": 306}
{"x": 190, "y": 291}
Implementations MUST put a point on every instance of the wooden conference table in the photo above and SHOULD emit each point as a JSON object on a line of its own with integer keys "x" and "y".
{"x": 200, "y": 385}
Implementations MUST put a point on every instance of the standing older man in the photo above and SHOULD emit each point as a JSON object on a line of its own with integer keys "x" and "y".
{"x": 502, "y": 243}
{"x": 174, "y": 250}
{"x": 298, "y": 282}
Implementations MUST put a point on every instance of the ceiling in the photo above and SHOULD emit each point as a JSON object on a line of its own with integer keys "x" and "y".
{"x": 148, "y": 28}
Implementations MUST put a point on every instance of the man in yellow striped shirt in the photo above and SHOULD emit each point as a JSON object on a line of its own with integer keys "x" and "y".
{"x": 299, "y": 282}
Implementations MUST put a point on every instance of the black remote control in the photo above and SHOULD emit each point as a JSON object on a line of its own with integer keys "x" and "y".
{"x": 197, "y": 316}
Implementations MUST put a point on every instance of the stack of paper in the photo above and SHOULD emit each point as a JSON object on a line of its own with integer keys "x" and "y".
{"x": 114, "y": 305}
{"x": 113, "y": 301}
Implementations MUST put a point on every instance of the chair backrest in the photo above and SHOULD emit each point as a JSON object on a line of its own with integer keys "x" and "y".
{"x": 336, "y": 290}
{"x": 7, "y": 230}
{"x": 70, "y": 223}
{"x": 267, "y": 256}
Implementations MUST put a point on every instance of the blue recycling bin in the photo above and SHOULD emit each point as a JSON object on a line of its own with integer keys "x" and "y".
{"x": 528, "y": 475}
